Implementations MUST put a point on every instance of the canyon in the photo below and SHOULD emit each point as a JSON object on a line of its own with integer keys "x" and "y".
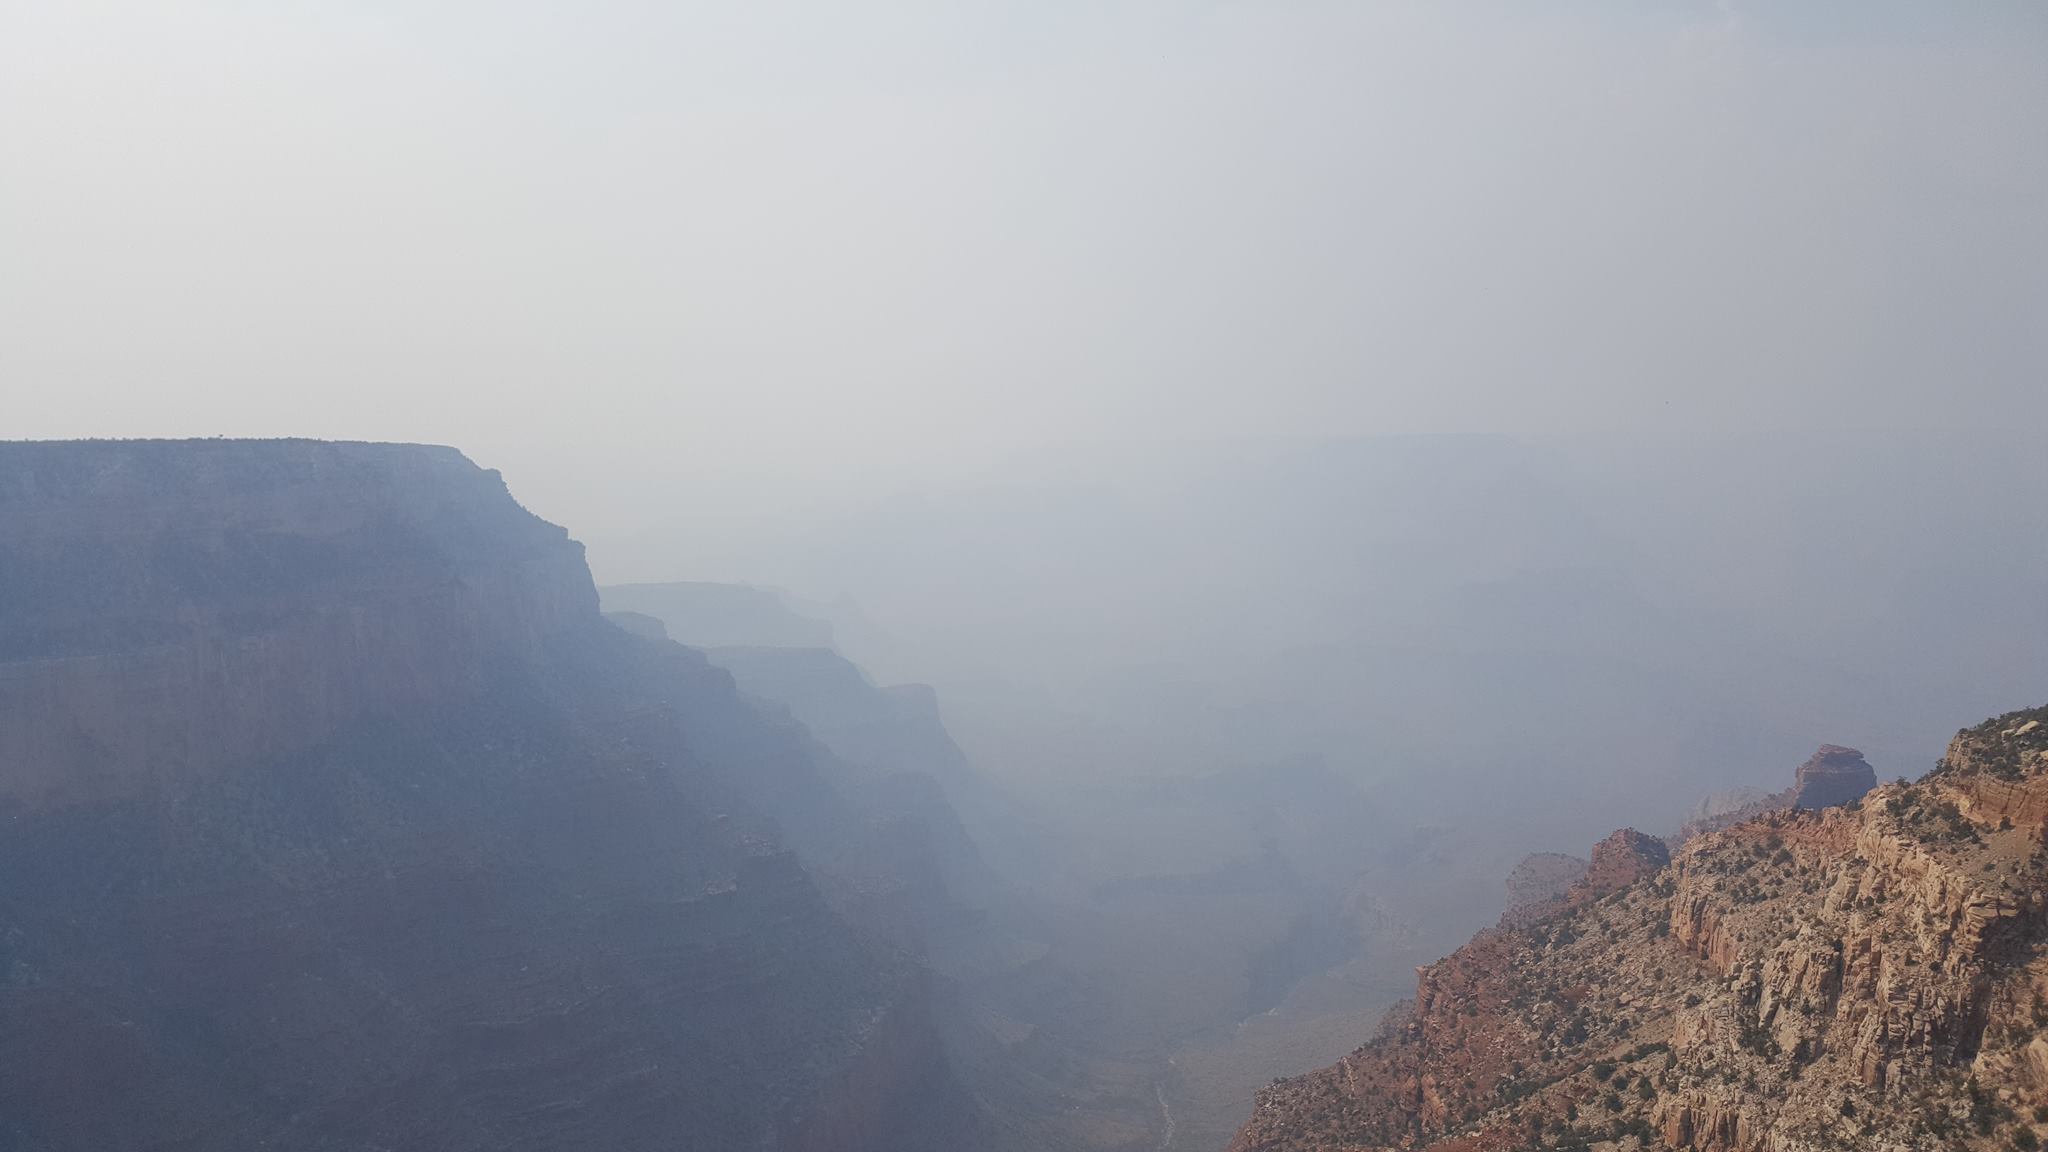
{"x": 338, "y": 817}
{"x": 344, "y": 810}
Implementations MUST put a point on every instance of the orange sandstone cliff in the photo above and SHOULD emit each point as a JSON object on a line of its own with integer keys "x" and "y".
{"x": 1869, "y": 975}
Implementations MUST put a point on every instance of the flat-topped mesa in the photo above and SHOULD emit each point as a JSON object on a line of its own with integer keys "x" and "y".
{"x": 167, "y": 607}
{"x": 1832, "y": 777}
{"x": 1619, "y": 861}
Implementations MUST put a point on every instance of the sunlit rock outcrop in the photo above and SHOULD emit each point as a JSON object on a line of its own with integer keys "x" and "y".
{"x": 1867, "y": 975}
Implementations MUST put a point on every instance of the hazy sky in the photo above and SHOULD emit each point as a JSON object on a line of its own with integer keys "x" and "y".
{"x": 813, "y": 236}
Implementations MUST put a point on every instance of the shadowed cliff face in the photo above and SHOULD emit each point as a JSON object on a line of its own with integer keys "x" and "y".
{"x": 337, "y": 817}
{"x": 170, "y": 608}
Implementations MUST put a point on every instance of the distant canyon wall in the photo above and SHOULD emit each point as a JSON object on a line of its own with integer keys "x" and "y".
{"x": 169, "y": 608}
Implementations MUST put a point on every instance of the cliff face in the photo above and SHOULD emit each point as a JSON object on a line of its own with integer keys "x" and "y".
{"x": 1869, "y": 977}
{"x": 1832, "y": 776}
{"x": 339, "y": 818}
{"x": 906, "y": 771}
{"x": 706, "y": 615}
{"x": 166, "y": 609}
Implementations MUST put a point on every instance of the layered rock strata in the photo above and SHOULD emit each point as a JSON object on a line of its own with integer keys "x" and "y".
{"x": 1867, "y": 976}
{"x": 338, "y": 818}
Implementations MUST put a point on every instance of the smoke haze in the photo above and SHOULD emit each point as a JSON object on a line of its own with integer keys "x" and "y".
{"x": 794, "y": 244}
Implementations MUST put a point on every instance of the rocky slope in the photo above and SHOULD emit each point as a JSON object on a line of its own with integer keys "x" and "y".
{"x": 1864, "y": 976}
{"x": 338, "y": 818}
{"x": 1540, "y": 880}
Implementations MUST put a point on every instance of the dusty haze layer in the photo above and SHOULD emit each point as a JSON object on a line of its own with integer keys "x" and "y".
{"x": 1314, "y": 452}
{"x": 791, "y": 244}
{"x": 1297, "y": 707}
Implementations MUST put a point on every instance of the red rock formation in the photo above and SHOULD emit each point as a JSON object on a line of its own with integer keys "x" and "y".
{"x": 1999, "y": 770}
{"x": 1874, "y": 977}
{"x": 1832, "y": 776}
{"x": 1619, "y": 861}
